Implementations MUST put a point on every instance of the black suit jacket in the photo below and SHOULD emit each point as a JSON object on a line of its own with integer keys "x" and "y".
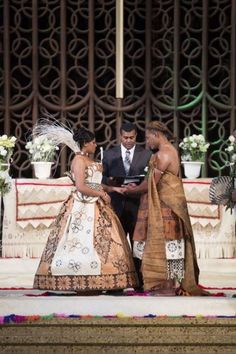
{"x": 113, "y": 166}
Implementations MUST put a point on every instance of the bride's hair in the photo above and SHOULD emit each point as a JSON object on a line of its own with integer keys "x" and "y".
{"x": 83, "y": 136}
{"x": 156, "y": 126}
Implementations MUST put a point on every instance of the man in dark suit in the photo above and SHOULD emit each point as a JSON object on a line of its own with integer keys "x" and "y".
{"x": 126, "y": 159}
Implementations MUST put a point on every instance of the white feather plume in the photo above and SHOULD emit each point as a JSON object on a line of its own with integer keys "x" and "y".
{"x": 55, "y": 131}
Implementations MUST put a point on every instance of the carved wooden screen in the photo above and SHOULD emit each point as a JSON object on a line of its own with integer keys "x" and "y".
{"x": 58, "y": 56}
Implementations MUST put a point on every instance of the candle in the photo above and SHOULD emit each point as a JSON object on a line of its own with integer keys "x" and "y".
{"x": 101, "y": 153}
{"x": 119, "y": 48}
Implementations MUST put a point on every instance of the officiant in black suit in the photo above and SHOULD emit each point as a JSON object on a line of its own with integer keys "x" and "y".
{"x": 126, "y": 159}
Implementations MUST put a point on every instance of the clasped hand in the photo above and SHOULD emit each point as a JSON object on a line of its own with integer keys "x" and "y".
{"x": 125, "y": 188}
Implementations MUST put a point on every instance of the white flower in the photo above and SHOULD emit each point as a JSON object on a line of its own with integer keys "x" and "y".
{"x": 7, "y": 145}
{"x": 193, "y": 148}
{"x": 28, "y": 145}
{"x": 41, "y": 149}
{"x": 230, "y": 148}
{"x": 233, "y": 158}
{"x": 46, "y": 147}
{"x": 202, "y": 148}
{"x": 36, "y": 141}
{"x": 186, "y": 157}
{"x": 194, "y": 145}
{"x": 37, "y": 156}
{"x": 3, "y": 152}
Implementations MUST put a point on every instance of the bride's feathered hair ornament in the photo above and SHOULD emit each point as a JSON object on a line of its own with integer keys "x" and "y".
{"x": 58, "y": 132}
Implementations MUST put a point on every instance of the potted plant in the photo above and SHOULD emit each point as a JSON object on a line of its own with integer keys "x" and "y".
{"x": 193, "y": 149}
{"x": 42, "y": 151}
{"x": 7, "y": 145}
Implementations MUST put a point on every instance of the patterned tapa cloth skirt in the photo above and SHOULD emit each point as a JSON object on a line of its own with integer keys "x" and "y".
{"x": 174, "y": 232}
{"x": 86, "y": 250}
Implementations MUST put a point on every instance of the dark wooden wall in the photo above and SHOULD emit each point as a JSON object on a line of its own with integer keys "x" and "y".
{"x": 58, "y": 56}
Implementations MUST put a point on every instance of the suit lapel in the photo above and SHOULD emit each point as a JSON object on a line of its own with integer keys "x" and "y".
{"x": 134, "y": 162}
{"x": 135, "y": 159}
{"x": 120, "y": 160}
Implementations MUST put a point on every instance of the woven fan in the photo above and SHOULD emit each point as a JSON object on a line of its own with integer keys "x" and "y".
{"x": 221, "y": 189}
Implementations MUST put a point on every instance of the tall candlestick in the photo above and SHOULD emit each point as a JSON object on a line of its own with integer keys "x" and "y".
{"x": 119, "y": 48}
{"x": 101, "y": 153}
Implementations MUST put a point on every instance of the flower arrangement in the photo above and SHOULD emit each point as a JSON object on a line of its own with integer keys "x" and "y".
{"x": 231, "y": 149}
{"x": 41, "y": 149}
{"x": 7, "y": 145}
{"x": 193, "y": 148}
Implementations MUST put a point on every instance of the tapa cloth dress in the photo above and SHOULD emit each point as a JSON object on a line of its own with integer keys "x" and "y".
{"x": 87, "y": 248}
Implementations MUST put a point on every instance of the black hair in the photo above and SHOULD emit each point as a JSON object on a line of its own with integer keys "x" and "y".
{"x": 128, "y": 127}
{"x": 83, "y": 136}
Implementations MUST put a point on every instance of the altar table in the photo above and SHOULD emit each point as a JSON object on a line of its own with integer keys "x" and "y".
{"x": 30, "y": 209}
{"x": 32, "y": 205}
{"x": 213, "y": 225}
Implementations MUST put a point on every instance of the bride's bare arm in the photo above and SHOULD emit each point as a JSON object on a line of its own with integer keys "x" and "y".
{"x": 78, "y": 168}
{"x": 111, "y": 189}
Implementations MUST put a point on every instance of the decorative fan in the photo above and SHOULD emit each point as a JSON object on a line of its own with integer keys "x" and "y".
{"x": 220, "y": 190}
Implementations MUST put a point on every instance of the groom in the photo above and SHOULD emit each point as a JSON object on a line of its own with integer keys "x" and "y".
{"x": 126, "y": 159}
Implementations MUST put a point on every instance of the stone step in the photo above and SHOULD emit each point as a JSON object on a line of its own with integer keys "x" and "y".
{"x": 159, "y": 335}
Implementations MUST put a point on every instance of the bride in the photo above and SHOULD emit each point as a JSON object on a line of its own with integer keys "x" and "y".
{"x": 87, "y": 249}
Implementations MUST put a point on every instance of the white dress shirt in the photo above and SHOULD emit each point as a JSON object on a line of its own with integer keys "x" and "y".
{"x": 123, "y": 150}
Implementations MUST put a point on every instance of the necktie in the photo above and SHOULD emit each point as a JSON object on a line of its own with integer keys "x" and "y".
{"x": 127, "y": 161}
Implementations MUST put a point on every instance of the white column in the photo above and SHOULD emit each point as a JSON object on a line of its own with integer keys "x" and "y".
{"x": 119, "y": 48}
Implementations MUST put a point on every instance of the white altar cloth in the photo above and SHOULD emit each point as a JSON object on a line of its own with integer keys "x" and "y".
{"x": 29, "y": 211}
{"x": 213, "y": 225}
{"x": 32, "y": 205}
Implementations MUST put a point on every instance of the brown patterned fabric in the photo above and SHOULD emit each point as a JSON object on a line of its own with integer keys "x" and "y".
{"x": 117, "y": 269}
{"x": 174, "y": 227}
{"x": 163, "y": 215}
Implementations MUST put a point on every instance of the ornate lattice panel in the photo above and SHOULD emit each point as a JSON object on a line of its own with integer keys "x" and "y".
{"x": 58, "y": 56}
